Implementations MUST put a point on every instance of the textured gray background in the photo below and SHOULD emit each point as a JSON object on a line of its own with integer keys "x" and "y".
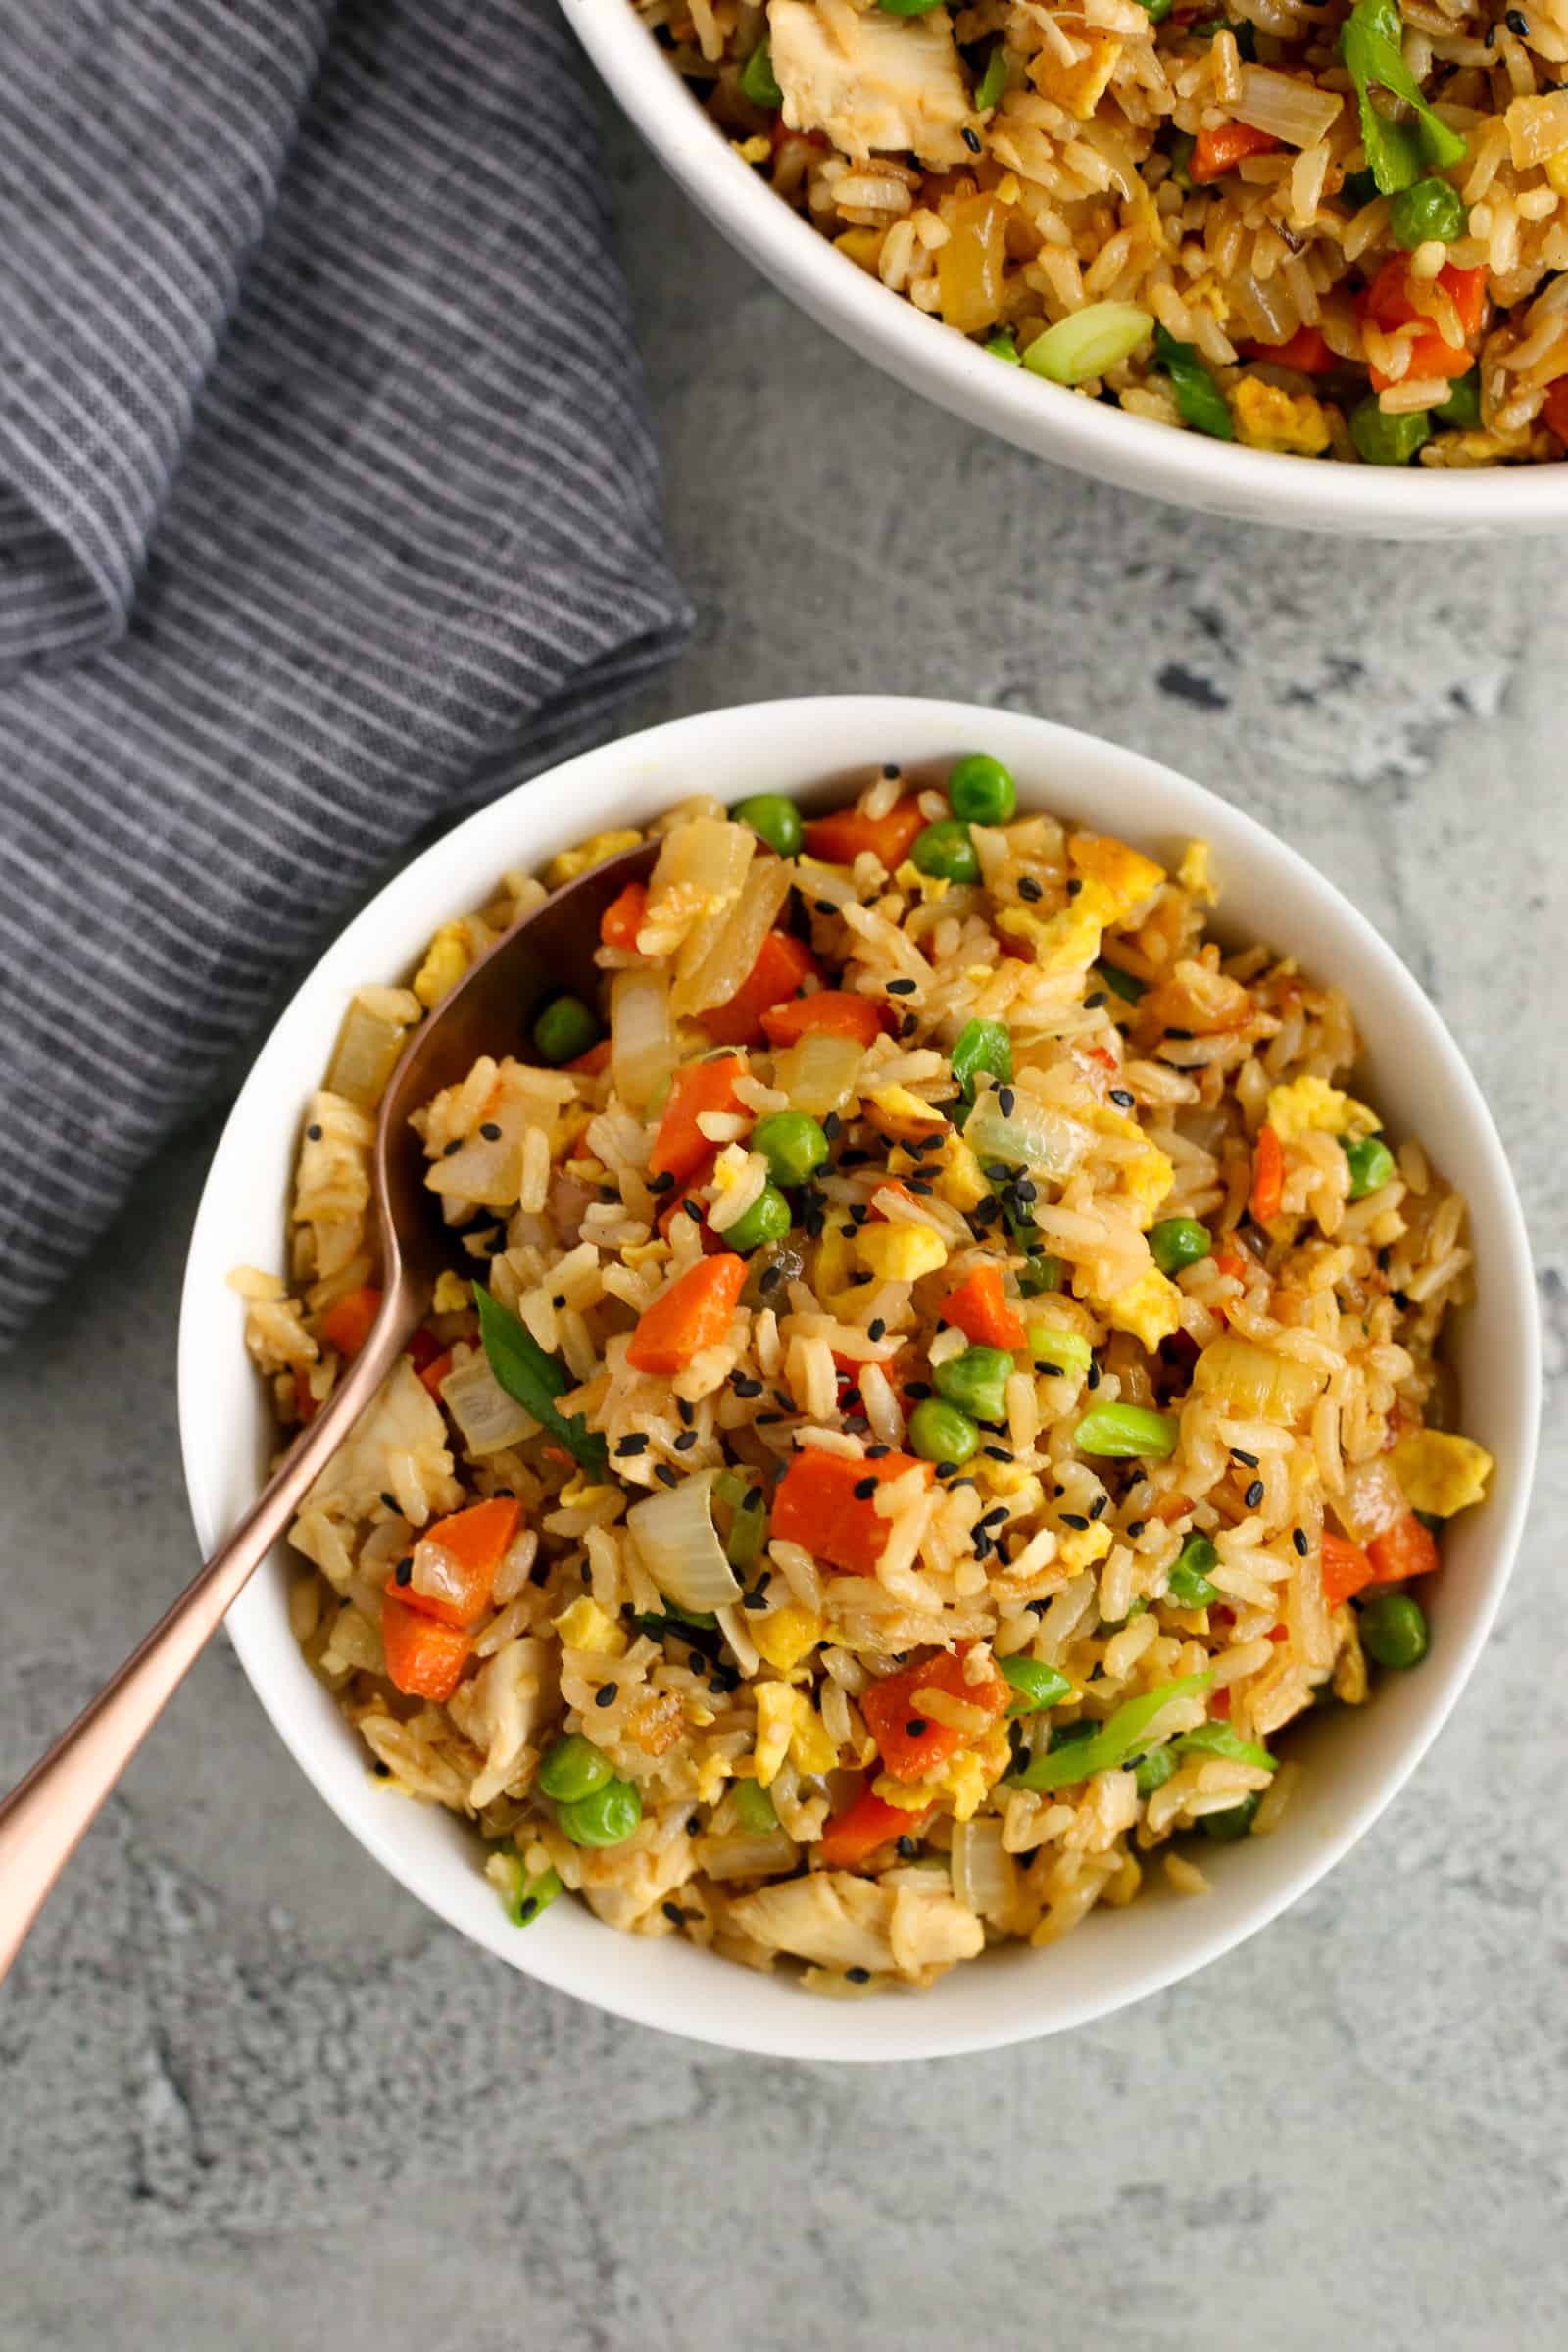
{"x": 254, "y": 2096}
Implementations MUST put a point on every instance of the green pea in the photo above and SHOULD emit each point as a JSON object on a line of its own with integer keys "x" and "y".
{"x": 1371, "y": 1163}
{"x": 769, "y": 1219}
{"x": 1388, "y": 440}
{"x": 982, "y": 1046}
{"x": 1003, "y": 347}
{"x": 608, "y": 1817}
{"x": 754, "y": 1807}
{"x": 565, "y": 1029}
{"x": 1461, "y": 411}
{"x": 1152, "y": 1771}
{"x": 573, "y": 1767}
{"x": 1122, "y": 1431}
{"x": 939, "y": 1433}
{"x": 1037, "y": 1685}
{"x": 773, "y": 820}
{"x": 1432, "y": 209}
{"x": 1235, "y": 1822}
{"x": 758, "y": 82}
{"x": 532, "y": 1897}
{"x": 981, "y": 791}
{"x": 947, "y": 853}
{"x": 976, "y": 1382}
{"x": 1393, "y": 1630}
{"x": 1188, "y": 1584}
{"x": 1061, "y": 1351}
{"x": 1178, "y": 1242}
{"x": 793, "y": 1145}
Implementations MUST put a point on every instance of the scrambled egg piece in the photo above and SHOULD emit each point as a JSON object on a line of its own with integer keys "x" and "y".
{"x": 1126, "y": 872}
{"x": 787, "y": 1636}
{"x": 1307, "y": 1105}
{"x": 1146, "y": 1180}
{"x": 451, "y": 1293}
{"x": 962, "y": 1783}
{"x": 1069, "y": 941}
{"x": 1080, "y": 86}
{"x": 1268, "y": 419}
{"x": 584, "y": 1626}
{"x": 955, "y": 1171}
{"x": 901, "y": 1115}
{"x": 908, "y": 876}
{"x": 446, "y": 960}
{"x": 1556, "y": 168}
{"x": 572, "y": 862}
{"x": 1441, "y": 1472}
{"x": 1081, "y": 1547}
{"x": 1193, "y": 873}
{"x": 712, "y": 1774}
{"x": 900, "y": 1253}
{"x": 787, "y": 1725}
{"x": 1149, "y": 1308}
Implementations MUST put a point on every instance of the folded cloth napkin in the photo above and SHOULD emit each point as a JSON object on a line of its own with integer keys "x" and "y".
{"x": 327, "y": 507}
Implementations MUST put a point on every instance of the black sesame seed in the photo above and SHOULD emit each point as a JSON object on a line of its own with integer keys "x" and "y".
{"x": 1298, "y": 1539}
{"x": 664, "y": 1182}
{"x": 947, "y": 1469}
{"x": 858, "y": 1976}
{"x": 971, "y": 139}
{"x": 694, "y": 1823}
{"x": 1074, "y": 887}
{"x": 919, "y": 1390}
{"x": 1135, "y": 1528}
{"x": 606, "y": 1694}
{"x": 755, "y": 1598}
{"x": 674, "y": 1914}
{"x": 1518, "y": 23}
{"x": 382, "y": 1772}
{"x": 390, "y": 1500}
{"x": 1097, "y": 1510}
{"x": 669, "y": 1476}
{"x": 744, "y": 1386}
{"x": 686, "y": 1441}
{"x": 864, "y": 1489}
{"x": 907, "y": 1847}
{"x": 1026, "y": 1188}
{"x": 403, "y": 1572}
{"x": 766, "y": 1421}
{"x": 831, "y": 1125}
{"x": 1122, "y": 1098}
{"x": 1184, "y": 1035}
{"x": 1091, "y": 1376}
{"x": 1028, "y": 888}
{"x": 314, "y": 1132}
{"x": 1250, "y": 1459}
{"x": 850, "y": 1400}
{"x": 1400, "y": 1299}
{"x": 918, "y": 1184}
{"x": 1095, "y": 1000}
{"x": 1074, "y": 1519}
{"x": 910, "y": 1025}
{"x": 1254, "y": 1495}
{"x": 527, "y": 1907}
{"x": 686, "y": 1410}
{"x": 693, "y": 1211}
{"x": 539, "y": 1573}
{"x": 824, "y": 906}
{"x": 902, "y": 988}
{"x": 997, "y": 1453}
{"x": 875, "y": 1329}
{"x": 916, "y": 1727}
{"x": 456, "y": 1145}
{"x": 559, "y": 1298}
{"x": 491, "y": 1132}
{"x": 786, "y": 1404}
{"x": 859, "y": 1212}
{"x": 633, "y": 1445}
{"x": 891, "y": 773}
{"x": 995, "y": 1518}
{"x": 771, "y": 1278}
{"x": 1006, "y": 1102}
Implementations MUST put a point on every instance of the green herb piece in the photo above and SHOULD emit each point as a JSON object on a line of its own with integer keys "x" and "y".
{"x": 1201, "y": 403}
{"x": 535, "y": 1380}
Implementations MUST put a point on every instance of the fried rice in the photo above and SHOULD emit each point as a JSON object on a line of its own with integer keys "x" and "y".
{"x": 934, "y": 1378}
{"x": 1319, "y": 229}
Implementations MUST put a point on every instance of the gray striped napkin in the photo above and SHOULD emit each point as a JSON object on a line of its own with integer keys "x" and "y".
{"x": 327, "y": 507}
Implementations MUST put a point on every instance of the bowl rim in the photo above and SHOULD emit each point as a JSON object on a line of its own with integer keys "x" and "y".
{"x": 476, "y": 848}
{"x": 1264, "y": 486}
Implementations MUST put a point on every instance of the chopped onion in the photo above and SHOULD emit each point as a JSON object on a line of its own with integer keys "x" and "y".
{"x": 1254, "y": 1382}
{"x": 1371, "y": 1502}
{"x": 642, "y": 1040}
{"x": 983, "y": 1875}
{"x": 1297, "y": 112}
{"x": 1089, "y": 341}
{"x": 735, "y": 951}
{"x": 487, "y": 1169}
{"x": 482, "y": 1409}
{"x": 820, "y": 1072}
{"x": 366, "y": 1053}
{"x": 677, "y": 1544}
{"x": 1267, "y": 312}
{"x": 701, "y": 870}
{"x": 1033, "y": 1136}
{"x": 748, "y": 1854}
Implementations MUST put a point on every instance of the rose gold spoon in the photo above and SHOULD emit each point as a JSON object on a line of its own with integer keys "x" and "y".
{"x": 490, "y": 1010}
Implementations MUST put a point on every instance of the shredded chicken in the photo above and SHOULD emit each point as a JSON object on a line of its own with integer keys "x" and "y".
{"x": 498, "y": 1710}
{"x": 623, "y": 1885}
{"x": 399, "y": 1441}
{"x": 871, "y": 82}
{"x": 831, "y": 1917}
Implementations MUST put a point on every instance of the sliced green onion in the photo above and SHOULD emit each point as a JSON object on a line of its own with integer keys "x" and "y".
{"x": 982, "y": 1046}
{"x": 1059, "y": 1350}
{"x": 1089, "y": 342}
{"x": 1122, "y": 984}
{"x": 1038, "y": 1686}
{"x": 1040, "y": 1273}
{"x": 993, "y": 81}
{"x": 1218, "y": 1740}
{"x": 1200, "y": 399}
{"x": 523, "y": 1904}
{"x": 1188, "y": 1584}
{"x": 1003, "y": 347}
{"x": 758, "y": 82}
{"x": 755, "y": 1808}
{"x": 1116, "y": 1739}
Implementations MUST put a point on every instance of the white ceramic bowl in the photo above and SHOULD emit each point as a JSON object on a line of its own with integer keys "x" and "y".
{"x": 1413, "y": 1072}
{"x": 1255, "y": 486}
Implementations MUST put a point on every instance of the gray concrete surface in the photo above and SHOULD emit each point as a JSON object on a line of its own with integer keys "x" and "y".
{"x": 252, "y": 2096}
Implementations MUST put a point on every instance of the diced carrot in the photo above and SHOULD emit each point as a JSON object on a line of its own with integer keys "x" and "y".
{"x": 692, "y": 1314}
{"x": 346, "y": 1324}
{"x": 1219, "y": 1703}
{"x": 594, "y": 1063}
{"x": 1346, "y": 1568}
{"x": 1429, "y": 355}
{"x": 1555, "y": 408}
{"x": 1278, "y": 1633}
{"x": 982, "y": 1311}
{"x": 863, "y": 1826}
{"x": 624, "y": 916}
{"x": 423, "y": 1657}
{"x": 1306, "y": 350}
{"x": 432, "y": 1374}
{"x": 1221, "y": 149}
{"x": 835, "y": 1009}
{"x": 423, "y": 1347}
{"x": 1389, "y": 304}
{"x": 913, "y": 1744}
{"x": 1405, "y": 1550}
{"x": 455, "y": 1561}
{"x": 818, "y": 1506}
{"x": 681, "y": 1145}
{"x": 782, "y": 964}
{"x": 837, "y": 839}
{"x": 1268, "y": 1176}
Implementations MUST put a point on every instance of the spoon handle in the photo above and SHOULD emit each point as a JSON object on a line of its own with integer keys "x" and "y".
{"x": 46, "y": 1814}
